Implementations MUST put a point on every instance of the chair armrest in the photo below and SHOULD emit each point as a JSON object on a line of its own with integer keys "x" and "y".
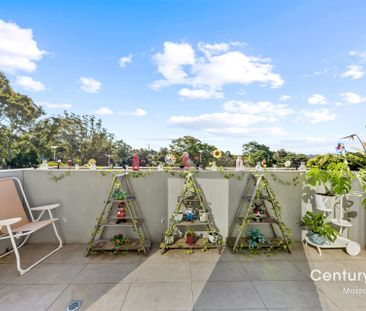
{"x": 45, "y": 207}
{"x": 9, "y": 221}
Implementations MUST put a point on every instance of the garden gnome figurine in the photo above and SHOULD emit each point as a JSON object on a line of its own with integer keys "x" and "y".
{"x": 190, "y": 214}
{"x": 187, "y": 162}
{"x": 135, "y": 163}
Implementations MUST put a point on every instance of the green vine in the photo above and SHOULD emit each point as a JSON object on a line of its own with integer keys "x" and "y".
{"x": 57, "y": 178}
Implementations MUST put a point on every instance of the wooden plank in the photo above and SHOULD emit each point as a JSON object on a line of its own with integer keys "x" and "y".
{"x": 181, "y": 244}
{"x": 131, "y": 245}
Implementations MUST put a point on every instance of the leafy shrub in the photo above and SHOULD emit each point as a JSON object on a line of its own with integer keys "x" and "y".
{"x": 356, "y": 160}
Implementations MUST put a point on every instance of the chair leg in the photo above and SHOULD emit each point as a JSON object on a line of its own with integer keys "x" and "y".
{"x": 16, "y": 252}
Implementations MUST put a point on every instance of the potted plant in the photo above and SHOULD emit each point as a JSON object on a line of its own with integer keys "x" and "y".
{"x": 203, "y": 216}
{"x": 169, "y": 236}
{"x": 256, "y": 238}
{"x": 190, "y": 237}
{"x": 333, "y": 181}
{"x": 118, "y": 240}
{"x": 213, "y": 236}
{"x": 178, "y": 216}
{"x": 319, "y": 231}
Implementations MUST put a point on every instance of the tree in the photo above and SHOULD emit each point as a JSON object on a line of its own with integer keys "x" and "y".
{"x": 199, "y": 152}
{"x": 17, "y": 116}
{"x": 254, "y": 152}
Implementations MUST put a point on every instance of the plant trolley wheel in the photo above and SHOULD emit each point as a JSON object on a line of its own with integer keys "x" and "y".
{"x": 122, "y": 216}
{"x": 192, "y": 224}
{"x": 258, "y": 207}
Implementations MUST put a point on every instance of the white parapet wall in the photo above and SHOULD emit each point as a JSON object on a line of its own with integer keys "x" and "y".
{"x": 82, "y": 194}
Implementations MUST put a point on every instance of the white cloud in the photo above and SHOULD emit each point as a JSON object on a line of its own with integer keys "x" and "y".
{"x": 352, "y": 98}
{"x": 54, "y": 105}
{"x": 317, "y": 99}
{"x": 103, "y": 111}
{"x": 29, "y": 84}
{"x": 284, "y": 98}
{"x": 210, "y": 67}
{"x": 354, "y": 72}
{"x": 200, "y": 93}
{"x": 262, "y": 107}
{"x": 138, "y": 112}
{"x": 360, "y": 54}
{"x": 18, "y": 49}
{"x": 316, "y": 116}
{"x": 124, "y": 60}
{"x": 237, "y": 118}
{"x": 90, "y": 85}
{"x": 170, "y": 63}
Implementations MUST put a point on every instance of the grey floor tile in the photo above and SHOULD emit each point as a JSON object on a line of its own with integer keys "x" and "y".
{"x": 30, "y": 253}
{"x": 95, "y": 297}
{"x": 50, "y": 274}
{"x": 8, "y": 272}
{"x": 69, "y": 253}
{"x": 158, "y": 272}
{"x": 158, "y": 296}
{"x": 106, "y": 273}
{"x": 337, "y": 293}
{"x": 218, "y": 271}
{"x": 285, "y": 294}
{"x": 28, "y": 297}
{"x": 225, "y": 295}
{"x": 273, "y": 271}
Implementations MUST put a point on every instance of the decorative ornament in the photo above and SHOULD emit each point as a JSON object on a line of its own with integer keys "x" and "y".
{"x": 288, "y": 164}
{"x": 340, "y": 149}
{"x": 239, "y": 165}
{"x": 264, "y": 163}
{"x": 135, "y": 163}
{"x": 187, "y": 162}
{"x": 170, "y": 159}
{"x": 217, "y": 154}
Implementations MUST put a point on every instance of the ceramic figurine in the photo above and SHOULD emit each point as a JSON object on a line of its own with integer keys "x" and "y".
{"x": 187, "y": 162}
{"x": 121, "y": 213}
{"x": 190, "y": 214}
{"x": 239, "y": 165}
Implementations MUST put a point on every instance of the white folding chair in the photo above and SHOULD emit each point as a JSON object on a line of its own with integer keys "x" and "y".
{"x": 17, "y": 221}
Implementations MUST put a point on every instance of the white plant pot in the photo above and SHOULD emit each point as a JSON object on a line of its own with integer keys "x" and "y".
{"x": 324, "y": 202}
{"x": 203, "y": 216}
{"x": 169, "y": 239}
{"x": 178, "y": 217}
{"x": 213, "y": 237}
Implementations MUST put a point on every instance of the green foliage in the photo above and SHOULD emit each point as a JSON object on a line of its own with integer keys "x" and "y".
{"x": 355, "y": 160}
{"x": 256, "y": 239}
{"x": 361, "y": 176}
{"x": 316, "y": 223}
{"x": 254, "y": 152}
{"x": 336, "y": 179}
{"x": 199, "y": 152}
{"x": 17, "y": 116}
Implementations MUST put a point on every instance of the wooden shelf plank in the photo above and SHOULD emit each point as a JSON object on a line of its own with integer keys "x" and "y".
{"x": 131, "y": 245}
{"x": 181, "y": 244}
{"x": 276, "y": 242}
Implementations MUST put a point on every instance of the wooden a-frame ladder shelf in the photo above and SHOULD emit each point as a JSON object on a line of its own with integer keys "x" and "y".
{"x": 130, "y": 219}
{"x": 258, "y": 206}
{"x": 202, "y": 220}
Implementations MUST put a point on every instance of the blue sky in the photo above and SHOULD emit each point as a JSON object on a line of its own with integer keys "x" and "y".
{"x": 289, "y": 74}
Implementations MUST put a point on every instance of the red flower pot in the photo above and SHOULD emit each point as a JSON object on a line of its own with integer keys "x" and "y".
{"x": 190, "y": 239}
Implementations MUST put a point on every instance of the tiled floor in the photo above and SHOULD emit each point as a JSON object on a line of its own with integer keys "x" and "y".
{"x": 180, "y": 281}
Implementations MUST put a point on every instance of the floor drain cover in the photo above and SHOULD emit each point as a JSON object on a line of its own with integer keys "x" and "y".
{"x": 74, "y": 305}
